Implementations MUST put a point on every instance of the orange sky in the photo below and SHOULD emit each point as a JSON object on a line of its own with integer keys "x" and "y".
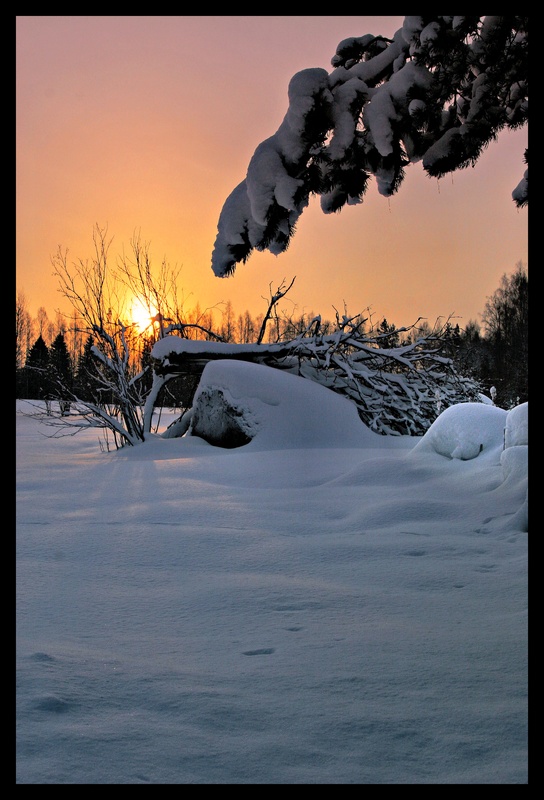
{"x": 147, "y": 124}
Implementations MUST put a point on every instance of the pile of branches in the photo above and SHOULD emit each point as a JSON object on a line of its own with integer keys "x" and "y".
{"x": 397, "y": 390}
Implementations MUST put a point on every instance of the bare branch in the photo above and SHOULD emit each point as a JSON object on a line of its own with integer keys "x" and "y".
{"x": 274, "y": 300}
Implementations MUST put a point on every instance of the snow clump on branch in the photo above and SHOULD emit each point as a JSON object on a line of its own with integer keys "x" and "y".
{"x": 437, "y": 93}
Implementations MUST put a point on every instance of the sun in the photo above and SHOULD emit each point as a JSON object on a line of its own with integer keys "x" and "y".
{"x": 142, "y": 315}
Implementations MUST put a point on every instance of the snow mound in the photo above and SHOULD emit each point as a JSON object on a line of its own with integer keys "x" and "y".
{"x": 465, "y": 431}
{"x": 515, "y": 463}
{"x": 517, "y": 426}
{"x": 239, "y": 403}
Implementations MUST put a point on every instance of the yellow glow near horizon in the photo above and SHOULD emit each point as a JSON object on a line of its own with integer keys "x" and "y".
{"x": 142, "y": 315}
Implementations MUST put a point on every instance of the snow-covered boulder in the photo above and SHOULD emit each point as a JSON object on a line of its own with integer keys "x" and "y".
{"x": 241, "y": 403}
{"x": 220, "y": 420}
{"x": 464, "y": 431}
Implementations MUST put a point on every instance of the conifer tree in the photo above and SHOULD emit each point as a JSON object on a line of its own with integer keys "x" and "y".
{"x": 23, "y": 328}
{"x": 388, "y": 334}
{"x": 60, "y": 364}
{"x": 37, "y": 370}
{"x": 85, "y": 377}
{"x": 60, "y": 372}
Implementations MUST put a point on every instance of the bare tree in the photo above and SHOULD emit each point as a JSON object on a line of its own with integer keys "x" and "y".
{"x": 44, "y": 326}
{"x": 100, "y": 292}
{"x": 93, "y": 292}
{"x": 155, "y": 290}
{"x": 228, "y": 322}
{"x": 506, "y": 322}
{"x": 73, "y": 335}
{"x": 23, "y": 330}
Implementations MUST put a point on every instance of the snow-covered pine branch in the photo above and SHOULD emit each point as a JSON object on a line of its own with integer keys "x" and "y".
{"x": 437, "y": 93}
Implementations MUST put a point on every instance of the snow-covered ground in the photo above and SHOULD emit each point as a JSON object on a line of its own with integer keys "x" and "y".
{"x": 323, "y": 605}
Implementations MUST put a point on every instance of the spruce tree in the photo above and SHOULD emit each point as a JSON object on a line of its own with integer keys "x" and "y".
{"x": 85, "y": 380}
{"x": 36, "y": 369}
{"x": 61, "y": 374}
{"x": 389, "y": 336}
{"x": 60, "y": 363}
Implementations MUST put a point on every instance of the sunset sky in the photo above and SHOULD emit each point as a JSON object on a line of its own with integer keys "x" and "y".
{"x": 148, "y": 123}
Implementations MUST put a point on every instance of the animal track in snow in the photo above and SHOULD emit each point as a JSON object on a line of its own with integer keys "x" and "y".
{"x": 262, "y": 651}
